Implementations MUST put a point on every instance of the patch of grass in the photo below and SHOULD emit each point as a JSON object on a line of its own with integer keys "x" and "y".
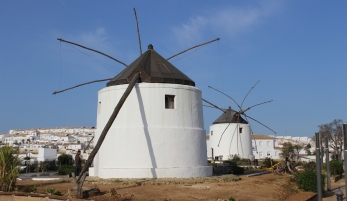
{"x": 112, "y": 192}
{"x": 53, "y": 191}
{"x": 230, "y": 198}
{"x": 231, "y": 178}
{"x": 289, "y": 189}
{"x": 33, "y": 189}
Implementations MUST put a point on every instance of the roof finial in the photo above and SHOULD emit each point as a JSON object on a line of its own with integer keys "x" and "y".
{"x": 150, "y": 47}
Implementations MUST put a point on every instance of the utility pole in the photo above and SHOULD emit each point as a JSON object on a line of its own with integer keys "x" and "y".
{"x": 318, "y": 168}
{"x": 327, "y": 163}
{"x": 344, "y": 131}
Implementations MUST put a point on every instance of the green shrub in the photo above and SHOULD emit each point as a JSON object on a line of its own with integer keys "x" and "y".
{"x": 244, "y": 161}
{"x": 234, "y": 157}
{"x": 268, "y": 162}
{"x": 310, "y": 165}
{"x": 336, "y": 167}
{"x": 230, "y": 162}
{"x": 231, "y": 198}
{"x": 66, "y": 169}
{"x": 9, "y": 167}
{"x": 65, "y": 159}
{"x": 53, "y": 191}
{"x": 307, "y": 180}
{"x": 238, "y": 170}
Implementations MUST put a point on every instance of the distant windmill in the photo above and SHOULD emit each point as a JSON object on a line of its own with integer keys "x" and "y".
{"x": 238, "y": 139}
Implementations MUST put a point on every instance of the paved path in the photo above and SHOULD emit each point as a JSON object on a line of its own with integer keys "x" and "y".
{"x": 331, "y": 196}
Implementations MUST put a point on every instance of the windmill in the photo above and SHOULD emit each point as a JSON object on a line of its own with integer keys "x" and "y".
{"x": 159, "y": 131}
{"x": 231, "y": 133}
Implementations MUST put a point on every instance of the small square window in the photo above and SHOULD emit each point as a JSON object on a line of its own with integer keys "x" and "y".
{"x": 240, "y": 130}
{"x": 211, "y": 132}
{"x": 169, "y": 101}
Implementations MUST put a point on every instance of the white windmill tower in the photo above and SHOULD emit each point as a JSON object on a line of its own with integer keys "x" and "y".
{"x": 231, "y": 134}
{"x": 159, "y": 131}
{"x": 156, "y": 129}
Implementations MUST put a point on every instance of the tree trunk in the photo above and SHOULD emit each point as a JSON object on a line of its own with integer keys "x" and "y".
{"x": 80, "y": 180}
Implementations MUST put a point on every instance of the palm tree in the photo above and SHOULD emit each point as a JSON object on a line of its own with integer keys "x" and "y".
{"x": 9, "y": 167}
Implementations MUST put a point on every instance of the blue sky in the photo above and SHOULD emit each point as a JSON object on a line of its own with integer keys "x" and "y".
{"x": 297, "y": 49}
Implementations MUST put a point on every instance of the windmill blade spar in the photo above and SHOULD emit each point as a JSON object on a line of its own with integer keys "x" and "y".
{"x": 223, "y": 133}
{"x": 249, "y": 92}
{"x": 138, "y": 31}
{"x": 62, "y": 40}
{"x": 257, "y": 105}
{"x": 56, "y": 92}
{"x": 259, "y": 123}
{"x": 214, "y": 106}
{"x": 227, "y": 96}
{"x": 193, "y": 48}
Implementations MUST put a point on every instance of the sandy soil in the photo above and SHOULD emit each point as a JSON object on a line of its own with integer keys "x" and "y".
{"x": 267, "y": 187}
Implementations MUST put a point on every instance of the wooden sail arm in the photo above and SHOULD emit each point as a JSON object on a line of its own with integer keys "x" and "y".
{"x": 214, "y": 106}
{"x": 138, "y": 31}
{"x": 259, "y": 122}
{"x": 105, "y": 130}
{"x": 243, "y": 111}
{"x": 193, "y": 48}
{"x": 248, "y": 93}
{"x": 84, "y": 151}
{"x": 228, "y": 97}
{"x": 56, "y": 92}
{"x": 62, "y": 40}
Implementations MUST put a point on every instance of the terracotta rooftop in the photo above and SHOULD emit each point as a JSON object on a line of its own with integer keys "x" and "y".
{"x": 259, "y": 137}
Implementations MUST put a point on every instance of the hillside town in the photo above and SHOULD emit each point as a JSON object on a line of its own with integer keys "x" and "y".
{"x": 47, "y": 144}
{"x": 269, "y": 146}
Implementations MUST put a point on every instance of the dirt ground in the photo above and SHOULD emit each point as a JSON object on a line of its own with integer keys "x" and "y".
{"x": 267, "y": 187}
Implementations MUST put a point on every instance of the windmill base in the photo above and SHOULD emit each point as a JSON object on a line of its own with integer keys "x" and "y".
{"x": 182, "y": 172}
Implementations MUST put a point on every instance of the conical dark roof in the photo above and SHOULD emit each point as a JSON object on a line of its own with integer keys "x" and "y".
{"x": 154, "y": 69}
{"x": 230, "y": 116}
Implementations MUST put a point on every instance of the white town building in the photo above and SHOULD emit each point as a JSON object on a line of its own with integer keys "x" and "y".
{"x": 265, "y": 146}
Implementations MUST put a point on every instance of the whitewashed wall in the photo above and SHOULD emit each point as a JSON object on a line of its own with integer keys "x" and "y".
{"x": 232, "y": 142}
{"x": 265, "y": 148}
{"x": 148, "y": 141}
{"x": 46, "y": 154}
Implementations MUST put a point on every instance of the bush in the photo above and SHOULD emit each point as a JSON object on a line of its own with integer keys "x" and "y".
{"x": 244, "y": 161}
{"x": 234, "y": 158}
{"x": 231, "y": 163}
{"x": 268, "y": 162}
{"x": 336, "y": 167}
{"x": 307, "y": 180}
{"x": 238, "y": 170}
{"x": 65, "y": 159}
{"x": 66, "y": 169}
{"x": 310, "y": 165}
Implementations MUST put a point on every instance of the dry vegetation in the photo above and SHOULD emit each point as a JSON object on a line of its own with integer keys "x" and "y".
{"x": 264, "y": 187}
